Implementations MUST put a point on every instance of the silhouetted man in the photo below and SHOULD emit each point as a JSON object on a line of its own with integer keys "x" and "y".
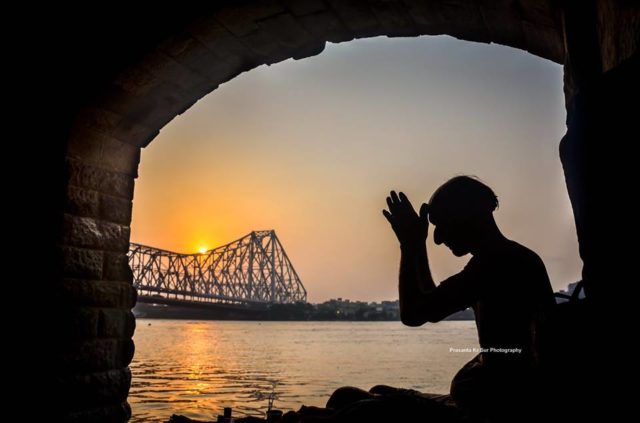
{"x": 504, "y": 282}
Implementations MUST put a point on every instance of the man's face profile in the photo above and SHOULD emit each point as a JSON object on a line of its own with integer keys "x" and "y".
{"x": 453, "y": 234}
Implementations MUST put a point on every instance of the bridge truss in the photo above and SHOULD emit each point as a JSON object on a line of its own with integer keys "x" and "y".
{"x": 252, "y": 269}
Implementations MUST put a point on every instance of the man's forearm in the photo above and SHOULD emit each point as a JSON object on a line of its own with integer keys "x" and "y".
{"x": 414, "y": 268}
{"x": 415, "y": 280}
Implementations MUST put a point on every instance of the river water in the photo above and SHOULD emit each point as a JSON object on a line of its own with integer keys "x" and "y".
{"x": 195, "y": 368}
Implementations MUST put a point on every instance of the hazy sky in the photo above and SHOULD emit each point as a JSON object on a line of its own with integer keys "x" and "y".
{"x": 311, "y": 148}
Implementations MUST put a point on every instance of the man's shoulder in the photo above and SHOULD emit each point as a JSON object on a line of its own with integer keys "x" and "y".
{"x": 510, "y": 253}
{"x": 517, "y": 250}
{"x": 521, "y": 260}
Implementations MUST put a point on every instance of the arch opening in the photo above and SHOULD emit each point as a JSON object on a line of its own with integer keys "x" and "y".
{"x": 279, "y": 122}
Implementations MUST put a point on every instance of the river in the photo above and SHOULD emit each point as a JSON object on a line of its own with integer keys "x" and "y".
{"x": 195, "y": 368}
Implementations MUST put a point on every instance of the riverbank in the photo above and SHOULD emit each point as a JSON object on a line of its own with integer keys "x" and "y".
{"x": 301, "y": 312}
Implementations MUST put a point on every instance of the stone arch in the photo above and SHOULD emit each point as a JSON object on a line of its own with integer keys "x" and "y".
{"x": 166, "y": 75}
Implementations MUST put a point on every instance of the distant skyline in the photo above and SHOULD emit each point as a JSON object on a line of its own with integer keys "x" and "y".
{"x": 311, "y": 148}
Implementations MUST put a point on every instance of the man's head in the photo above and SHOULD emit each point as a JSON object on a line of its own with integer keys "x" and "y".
{"x": 461, "y": 211}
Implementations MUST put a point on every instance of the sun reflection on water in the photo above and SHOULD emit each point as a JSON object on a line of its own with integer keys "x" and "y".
{"x": 198, "y": 368}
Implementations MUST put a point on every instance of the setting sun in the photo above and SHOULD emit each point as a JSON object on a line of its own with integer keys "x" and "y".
{"x": 202, "y": 250}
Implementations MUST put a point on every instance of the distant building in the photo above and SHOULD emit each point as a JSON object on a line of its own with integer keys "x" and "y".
{"x": 569, "y": 291}
{"x": 345, "y": 309}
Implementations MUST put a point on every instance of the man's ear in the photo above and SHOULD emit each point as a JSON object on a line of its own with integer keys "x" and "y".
{"x": 436, "y": 236}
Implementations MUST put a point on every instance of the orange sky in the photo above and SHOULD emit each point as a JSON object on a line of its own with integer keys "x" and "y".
{"x": 311, "y": 148}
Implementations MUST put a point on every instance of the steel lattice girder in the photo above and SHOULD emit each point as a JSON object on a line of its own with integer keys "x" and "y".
{"x": 252, "y": 269}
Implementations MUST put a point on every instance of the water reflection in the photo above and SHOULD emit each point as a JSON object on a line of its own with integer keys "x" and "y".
{"x": 198, "y": 368}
